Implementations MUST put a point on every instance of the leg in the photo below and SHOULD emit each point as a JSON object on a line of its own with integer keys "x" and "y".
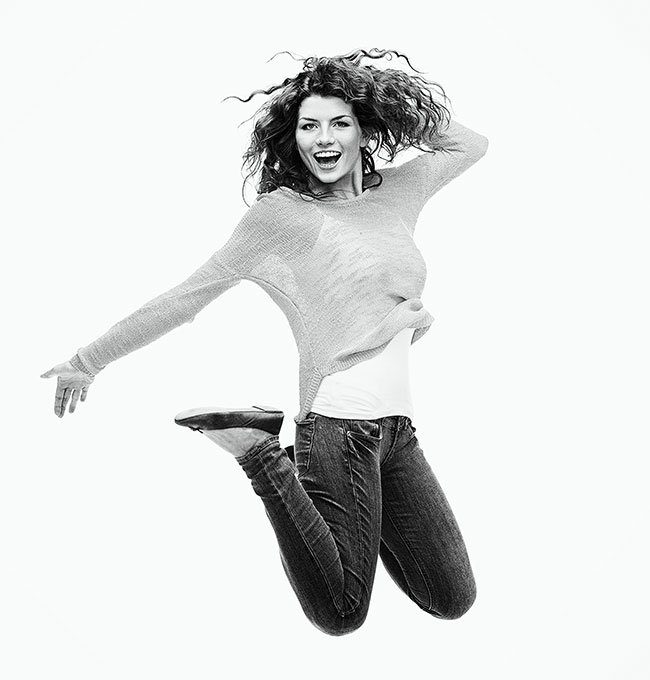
{"x": 421, "y": 545}
{"x": 326, "y": 514}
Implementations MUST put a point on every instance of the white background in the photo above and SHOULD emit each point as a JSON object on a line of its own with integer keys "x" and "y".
{"x": 137, "y": 549}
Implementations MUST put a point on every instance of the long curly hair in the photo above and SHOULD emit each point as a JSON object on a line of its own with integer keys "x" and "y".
{"x": 395, "y": 110}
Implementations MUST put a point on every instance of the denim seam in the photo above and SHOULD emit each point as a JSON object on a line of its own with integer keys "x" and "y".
{"x": 311, "y": 424}
{"x": 429, "y": 607}
{"x": 305, "y": 541}
{"x": 312, "y": 435}
{"x": 389, "y": 455}
{"x": 362, "y": 550}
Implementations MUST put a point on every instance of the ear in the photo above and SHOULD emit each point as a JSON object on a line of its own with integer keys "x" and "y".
{"x": 365, "y": 138}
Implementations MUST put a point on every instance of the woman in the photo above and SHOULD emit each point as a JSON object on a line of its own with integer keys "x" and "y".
{"x": 331, "y": 240}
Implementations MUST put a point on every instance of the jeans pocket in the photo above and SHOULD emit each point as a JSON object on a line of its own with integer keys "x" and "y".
{"x": 304, "y": 441}
{"x": 364, "y": 430}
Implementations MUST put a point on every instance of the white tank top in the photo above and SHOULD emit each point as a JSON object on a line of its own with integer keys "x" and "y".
{"x": 371, "y": 389}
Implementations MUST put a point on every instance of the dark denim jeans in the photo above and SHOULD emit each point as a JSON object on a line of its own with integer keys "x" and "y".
{"x": 360, "y": 489}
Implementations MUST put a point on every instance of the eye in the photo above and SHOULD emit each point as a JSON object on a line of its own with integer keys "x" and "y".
{"x": 305, "y": 126}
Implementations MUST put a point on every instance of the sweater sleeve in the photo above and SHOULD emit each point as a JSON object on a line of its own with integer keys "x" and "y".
{"x": 224, "y": 269}
{"x": 456, "y": 149}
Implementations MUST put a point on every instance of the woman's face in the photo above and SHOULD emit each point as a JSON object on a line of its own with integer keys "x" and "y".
{"x": 329, "y": 124}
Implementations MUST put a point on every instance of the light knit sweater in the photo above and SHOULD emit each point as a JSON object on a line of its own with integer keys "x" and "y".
{"x": 345, "y": 271}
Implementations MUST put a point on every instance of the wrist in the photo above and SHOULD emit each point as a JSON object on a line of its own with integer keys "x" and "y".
{"x": 76, "y": 362}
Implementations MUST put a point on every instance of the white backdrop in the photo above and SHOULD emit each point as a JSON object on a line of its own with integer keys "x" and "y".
{"x": 136, "y": 549}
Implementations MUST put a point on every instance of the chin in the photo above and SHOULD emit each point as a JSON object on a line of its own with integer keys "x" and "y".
{"x": 329, "y": 178}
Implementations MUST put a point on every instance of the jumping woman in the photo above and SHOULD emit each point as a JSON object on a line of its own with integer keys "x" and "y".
{"x": 330, "y": 239}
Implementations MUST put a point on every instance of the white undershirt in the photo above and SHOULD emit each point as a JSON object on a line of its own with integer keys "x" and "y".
{"x": 371, "y": 389}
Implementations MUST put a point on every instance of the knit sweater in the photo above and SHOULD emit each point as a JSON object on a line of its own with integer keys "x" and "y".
{"x": 345, "y": 271}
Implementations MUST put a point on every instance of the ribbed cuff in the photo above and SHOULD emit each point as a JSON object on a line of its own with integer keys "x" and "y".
{"x": 78, "y": 364}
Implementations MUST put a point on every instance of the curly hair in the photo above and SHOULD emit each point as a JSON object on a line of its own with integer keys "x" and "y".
{"x": 395, "y": 110}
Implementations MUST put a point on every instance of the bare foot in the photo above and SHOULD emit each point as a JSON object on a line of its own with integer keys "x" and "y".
{"x": 237, "y": 440}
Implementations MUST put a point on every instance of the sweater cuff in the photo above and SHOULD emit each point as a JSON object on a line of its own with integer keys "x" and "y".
{"x": 78, "y": 364}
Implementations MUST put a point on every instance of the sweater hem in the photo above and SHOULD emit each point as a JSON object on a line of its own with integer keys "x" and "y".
{"x": 318, "y": 373}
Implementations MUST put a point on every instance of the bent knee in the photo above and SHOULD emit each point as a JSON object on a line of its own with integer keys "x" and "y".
{"x": 338, "y": 630}
{"x": 341, "y": 624}
{"x": 458, "y": 602}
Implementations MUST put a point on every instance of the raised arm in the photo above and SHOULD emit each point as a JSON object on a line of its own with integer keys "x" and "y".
{"x": 452, "y": 151}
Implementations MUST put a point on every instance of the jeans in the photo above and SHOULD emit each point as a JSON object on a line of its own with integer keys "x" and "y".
{"x": 355, "y": 491}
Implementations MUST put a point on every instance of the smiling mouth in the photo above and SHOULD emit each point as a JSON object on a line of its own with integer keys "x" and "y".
{"x": 327, "y": 159}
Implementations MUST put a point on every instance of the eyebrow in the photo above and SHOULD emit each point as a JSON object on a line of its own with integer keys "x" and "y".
{"x": 345, "y": 115}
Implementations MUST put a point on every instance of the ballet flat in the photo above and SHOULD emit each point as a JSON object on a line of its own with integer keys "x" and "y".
{"x": 202, "y": 418}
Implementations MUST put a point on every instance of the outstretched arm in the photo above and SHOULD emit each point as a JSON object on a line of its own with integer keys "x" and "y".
{"x": 246, "y": 247}
{"x": 157, "y": 317}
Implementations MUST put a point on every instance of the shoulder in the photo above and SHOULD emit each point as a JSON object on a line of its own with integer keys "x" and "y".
{"x": 266, "y": 204}
{"x": 403, "y": 172}
{"x": 282, "y": 200}
{"x": 276, "y": 216}
{"x": 286, "y": 206}
{"x": 403, "y": 182}
{"x": 265, "y": 211}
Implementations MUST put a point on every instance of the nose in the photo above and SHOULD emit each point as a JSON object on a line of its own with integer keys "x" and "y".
{"x": 325, "y": 137}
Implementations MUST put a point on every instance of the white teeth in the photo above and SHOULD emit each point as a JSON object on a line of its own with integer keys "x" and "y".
{"x": 327, "y": 154}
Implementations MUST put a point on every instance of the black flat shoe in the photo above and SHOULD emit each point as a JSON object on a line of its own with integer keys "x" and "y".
{"x": 219, "y": 418}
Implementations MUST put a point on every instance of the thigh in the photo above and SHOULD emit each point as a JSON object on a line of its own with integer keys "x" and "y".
{"x": 337, "y": 463}
{"x": 421, "y": 543}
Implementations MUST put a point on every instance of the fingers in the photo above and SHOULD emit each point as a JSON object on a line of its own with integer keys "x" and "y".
{"x": 50, "y": 373}
{"x": 71, "y": 394}
{"x": 58, "y": 398}
{"x": 71, "y": 387}
{"x": 55, "y": 370}
{"x": 61, "y": 399}
{"x": 75, "y": 399}
{"x": 67, "y": 393}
